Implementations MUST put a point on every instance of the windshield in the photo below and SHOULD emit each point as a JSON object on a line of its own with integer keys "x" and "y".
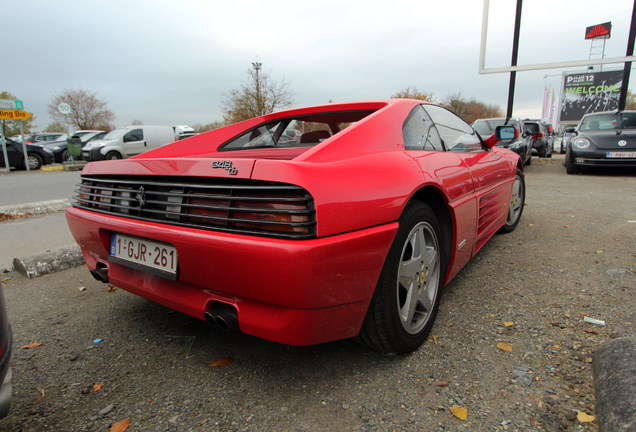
{"x": 485, "y": 128}
{"x": 114, "y": 134}
{"x": 623, "y": 120}
{"x": 296, "y": 131}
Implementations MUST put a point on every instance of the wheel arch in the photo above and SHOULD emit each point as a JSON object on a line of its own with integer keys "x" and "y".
{"x": 432, "y": 197}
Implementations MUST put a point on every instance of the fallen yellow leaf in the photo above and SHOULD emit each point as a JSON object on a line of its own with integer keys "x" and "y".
{"x": 460, "y": 413}
{"x": 435, "y": 338}
{"x": 504, "y": 346}
{"x": 556, "y": 346}
{"x": 530, "y": 224}
{"x": 584, "y": 417}
{"x": 32, "y": 345}
{"x": 508, "y": 323}
{"x": 566, "y": 226}
{"x": 98, "y": 387}
{"x": 222, "y": 361}
{"x": 120, "y": 426}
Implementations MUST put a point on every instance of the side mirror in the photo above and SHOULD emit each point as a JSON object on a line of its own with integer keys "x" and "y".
{"x": 506, "y": 132}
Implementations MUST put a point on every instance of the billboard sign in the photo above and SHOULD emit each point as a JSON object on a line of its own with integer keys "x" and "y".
{"x": 589, "y": 92}
{"x": 599, "y": 31}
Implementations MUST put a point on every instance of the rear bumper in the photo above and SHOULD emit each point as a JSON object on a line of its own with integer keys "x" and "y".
{"x": 297, "y": 292}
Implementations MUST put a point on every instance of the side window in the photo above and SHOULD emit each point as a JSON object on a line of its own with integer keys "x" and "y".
{"x": 134, "y": 135}
{"x": 455, "y": 132}
{"x": 419, "y": 133}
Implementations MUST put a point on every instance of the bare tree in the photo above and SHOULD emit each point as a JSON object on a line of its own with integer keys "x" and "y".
{"x": 87, "y": 111}
{"x": 471, "y": 110}
{"x": 136, "y": 122}
{"x": 258, "y": 95}
{"x": 413, "y": 93}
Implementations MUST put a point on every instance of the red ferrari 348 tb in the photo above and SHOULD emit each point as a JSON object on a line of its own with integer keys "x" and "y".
{"x": 304, "y": 226}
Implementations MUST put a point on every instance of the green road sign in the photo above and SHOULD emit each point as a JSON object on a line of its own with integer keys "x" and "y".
{"x": 11, "y": 104}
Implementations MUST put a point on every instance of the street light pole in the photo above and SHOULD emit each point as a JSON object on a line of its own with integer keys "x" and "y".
{"x": 259, "y": 106}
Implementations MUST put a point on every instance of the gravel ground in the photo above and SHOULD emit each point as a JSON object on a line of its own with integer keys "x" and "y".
{"x": 573, "y": 255}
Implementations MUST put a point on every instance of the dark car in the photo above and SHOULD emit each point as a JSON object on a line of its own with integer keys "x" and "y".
{"x": 522, "y": 144}
{"x": 36, "y": 155}
{"x": 605, "y": 139}
{"x": 6, "y": 341}
{"x": 60, "y": 148}
{"x": 541, "y": 142}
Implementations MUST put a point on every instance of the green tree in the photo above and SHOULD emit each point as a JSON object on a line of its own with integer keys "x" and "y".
{"x": 413, "y": 93}
{"x": 470, "y": 109}
{"x": 87, "y": 111}
{"x": 55, "y": 127}
{"x": 258, "y": 95}
{"x": 12, "y": 127}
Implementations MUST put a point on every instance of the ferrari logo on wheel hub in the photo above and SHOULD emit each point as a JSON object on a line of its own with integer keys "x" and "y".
{"x": 422, "y": 278}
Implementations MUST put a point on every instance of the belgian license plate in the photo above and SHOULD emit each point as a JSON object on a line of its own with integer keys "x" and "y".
{"x": 144, "y": 252}
{"x": 621, "y": 154}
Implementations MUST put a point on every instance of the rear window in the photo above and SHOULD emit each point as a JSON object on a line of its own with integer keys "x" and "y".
{"x": 307, "y": 130}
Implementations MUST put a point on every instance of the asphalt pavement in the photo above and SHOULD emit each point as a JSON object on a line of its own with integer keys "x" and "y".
{"x": 34, "y": 231}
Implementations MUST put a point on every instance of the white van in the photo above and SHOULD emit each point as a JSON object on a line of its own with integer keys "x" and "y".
{"x": 128, "y": 141}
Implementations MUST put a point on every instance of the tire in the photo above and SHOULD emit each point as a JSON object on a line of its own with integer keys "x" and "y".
{"x": 113, "y": 155}
{"x": 529, "y": 160}
{"x": 549, "y": 151}
{"x": 65, "y": 156}
{"x": 570, "y": 167}
{"x": 35, "y": 161}
{"x": 406, "y": 299}
{"x": 517, "y": 201}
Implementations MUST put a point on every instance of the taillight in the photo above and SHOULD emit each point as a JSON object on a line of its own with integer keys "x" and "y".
{"x": 537, "y": 136}
{"x": 280, "y": 218}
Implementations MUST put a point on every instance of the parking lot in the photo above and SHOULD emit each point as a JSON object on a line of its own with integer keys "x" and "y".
{"x": 107, "y": 355}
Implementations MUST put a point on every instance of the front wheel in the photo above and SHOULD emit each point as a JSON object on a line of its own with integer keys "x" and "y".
{"x": 113, "y": 155}
{"x": 35, "y": 161}
{"x": 65, "y": 156}
{"x": 570, "y": 168}
{"x": 406, "y": 299}
{"x": 517, "y": 200}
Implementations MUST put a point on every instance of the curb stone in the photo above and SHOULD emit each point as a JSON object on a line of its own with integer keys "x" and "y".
{"x": 62, "y": 258}
{"x": 40, "y": 207}
{"x": 615, "y": 384}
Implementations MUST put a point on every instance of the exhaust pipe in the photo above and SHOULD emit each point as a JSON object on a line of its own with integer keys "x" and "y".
{"x": 224, "y": 317}
{"x": 101, "y": 274}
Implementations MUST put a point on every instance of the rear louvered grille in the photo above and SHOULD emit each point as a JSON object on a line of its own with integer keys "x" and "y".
{"x": 247, "y": 207}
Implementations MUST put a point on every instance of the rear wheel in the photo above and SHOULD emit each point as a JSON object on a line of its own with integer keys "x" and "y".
{"x": 65, "y": 156}
{"x": 406, "y": 299}
{"x": 517, "y": 200}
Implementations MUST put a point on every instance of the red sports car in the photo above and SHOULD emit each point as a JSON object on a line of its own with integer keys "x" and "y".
{"x": 350, "y": 232}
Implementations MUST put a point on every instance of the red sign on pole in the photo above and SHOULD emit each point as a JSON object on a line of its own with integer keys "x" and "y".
{"x": 599, "y": 31}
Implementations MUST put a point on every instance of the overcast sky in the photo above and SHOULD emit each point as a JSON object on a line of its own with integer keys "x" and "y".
{"x": 168, "y": 62}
